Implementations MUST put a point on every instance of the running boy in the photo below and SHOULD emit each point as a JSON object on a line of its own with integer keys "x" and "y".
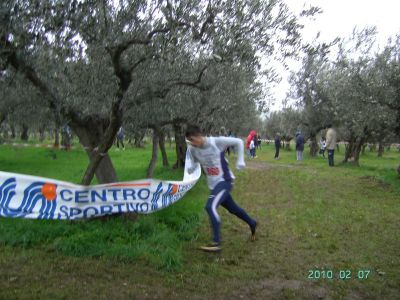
{"x": 209, "y": 152}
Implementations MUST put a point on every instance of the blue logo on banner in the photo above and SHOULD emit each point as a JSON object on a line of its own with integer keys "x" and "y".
{"x": 34, "y": 194}
{"x": 156, "y": 196}
{"x": 166, "y": 198}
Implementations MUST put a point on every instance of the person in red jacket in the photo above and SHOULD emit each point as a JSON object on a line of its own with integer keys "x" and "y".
{"x": 249, "y": 138}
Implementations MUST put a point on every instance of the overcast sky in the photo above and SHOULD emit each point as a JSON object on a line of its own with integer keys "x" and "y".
{"x": 339, "y": 17}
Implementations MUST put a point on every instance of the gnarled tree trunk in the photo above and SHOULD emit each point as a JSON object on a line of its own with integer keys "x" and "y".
{"x": 363, "y": 149}
{"x": 161, "y": 142}
{"x": 57, "y": 124}
{"x": 353, "y": 150}
{"x": 154, "y": 153}
{"x": 372, "y": 148}
{"x": 381, "y": 148}
{"x": 42, "y": 134}
{"x": 90, "y": 134}
{"x": 138, "y": 137}
{"x": 56, "y": 137}
{"x": 180, "y": 145}
{"x": 169, "y": 138}
{"x": 313, "y": 145}
{"x": 287, "y": 145}
{"x": 5, "y": 133}
{"x": 24, "y": 132}
{"x": 13, "y": 133}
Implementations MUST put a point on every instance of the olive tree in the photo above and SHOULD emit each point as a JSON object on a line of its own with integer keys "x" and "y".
{"x": 88, "y": 58}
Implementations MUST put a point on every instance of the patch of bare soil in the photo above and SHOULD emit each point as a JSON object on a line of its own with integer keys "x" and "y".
{"x": 262, "y": 165}
{"x": 373, "y": 181}
{"x": 276, "y": 288}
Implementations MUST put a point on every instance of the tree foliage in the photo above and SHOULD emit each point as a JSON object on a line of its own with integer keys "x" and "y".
{"x": 151, "y": 62}
{"x": 356, "y": 91}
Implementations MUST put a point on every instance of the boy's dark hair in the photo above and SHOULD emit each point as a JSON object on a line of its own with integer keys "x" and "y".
{"x": 193, "y": 130}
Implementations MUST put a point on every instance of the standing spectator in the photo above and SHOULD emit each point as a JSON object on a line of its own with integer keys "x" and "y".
{"x": 66, "y": 137}
{"x": 252, "y": 148}
{"x": 120, "y": 138}
{"x": 322, "y": 145}
{"x": 331, "y": 144}
{"x": 248, "y": 140}
{"x": 277, "y": 145}
{"x": 258, "y": 141}
{"x": 299, "y": 145}
{"x": 255, "y": 140}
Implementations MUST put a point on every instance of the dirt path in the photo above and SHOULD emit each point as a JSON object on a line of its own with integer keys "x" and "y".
{"x": 299, "y": 230}
{"x": 263, "y": 165}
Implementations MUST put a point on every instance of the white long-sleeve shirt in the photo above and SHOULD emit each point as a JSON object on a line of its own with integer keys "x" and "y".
{"x": 212, "y": 158}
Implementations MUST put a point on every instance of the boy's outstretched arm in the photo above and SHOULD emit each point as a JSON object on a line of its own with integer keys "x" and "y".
{"x": 190, "y": 162}
{"x": 224, "y": 142}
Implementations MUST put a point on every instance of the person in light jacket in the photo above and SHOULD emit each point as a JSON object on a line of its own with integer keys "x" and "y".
{"x": 331, "y": 144}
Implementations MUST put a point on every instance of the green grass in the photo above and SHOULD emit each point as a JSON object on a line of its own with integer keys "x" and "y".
{"x": 381, "y": 168}
{"x": 155, "y": 239}
{"x": 311, "y": 217}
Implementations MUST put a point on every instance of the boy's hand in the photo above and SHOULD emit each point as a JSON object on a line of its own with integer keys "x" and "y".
{"x": 240, "y": 165}
{"x": 191, "y": 170}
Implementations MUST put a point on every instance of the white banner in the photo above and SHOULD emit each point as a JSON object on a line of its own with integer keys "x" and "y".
{"x": 24, "y": 196}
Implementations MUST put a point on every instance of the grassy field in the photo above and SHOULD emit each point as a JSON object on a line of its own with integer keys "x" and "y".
{"x": 315, "y": 223}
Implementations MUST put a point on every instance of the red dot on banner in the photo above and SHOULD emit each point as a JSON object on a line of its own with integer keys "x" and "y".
{"x": 174, "y": 189}
{"x": 49, "y": 191}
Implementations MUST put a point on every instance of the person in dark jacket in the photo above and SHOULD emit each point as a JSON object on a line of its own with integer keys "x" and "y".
{"x": 255, "y": 140}
{"x": 299, "y": 145}
{"x": 120, "y": 138}
{"x": 66, "y": 135}
{"x": 258, "y": 141}
{"x": 277, "y": 145}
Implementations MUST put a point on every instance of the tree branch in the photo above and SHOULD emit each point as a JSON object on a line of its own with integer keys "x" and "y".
{"x": 194, "y": 84}
{"x": 135, "y": 65}
{"x": 105, "y": 15}
{"x": 209, "y": 20}
{"x": 21, "y": 66}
